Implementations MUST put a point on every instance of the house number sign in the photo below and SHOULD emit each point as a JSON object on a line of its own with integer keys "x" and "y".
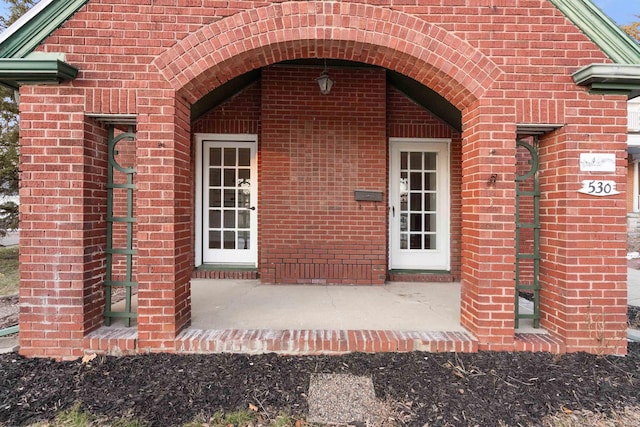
{"x": 599, "y": 187}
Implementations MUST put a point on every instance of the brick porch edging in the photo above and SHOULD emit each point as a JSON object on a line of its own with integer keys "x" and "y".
{"x": 121, "y": 341}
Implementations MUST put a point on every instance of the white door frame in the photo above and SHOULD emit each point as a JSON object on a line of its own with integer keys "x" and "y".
{"x": 441, "y": 257}
{"x": 200, "y": 138}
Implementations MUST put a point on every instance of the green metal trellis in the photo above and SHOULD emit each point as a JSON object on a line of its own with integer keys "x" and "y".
{"x": 528, "y": 251}
{"x": 128, "y": 250}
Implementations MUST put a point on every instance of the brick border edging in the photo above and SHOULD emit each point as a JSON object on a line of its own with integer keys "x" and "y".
{"x": 124, "y": 341}
{"x": 121, "y": 341}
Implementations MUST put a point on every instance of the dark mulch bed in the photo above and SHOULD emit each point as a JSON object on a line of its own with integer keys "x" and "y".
{"x": 439, "y": 389}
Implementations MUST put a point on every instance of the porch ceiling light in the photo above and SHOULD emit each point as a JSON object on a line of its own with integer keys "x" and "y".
{"x": 325, "y": 82}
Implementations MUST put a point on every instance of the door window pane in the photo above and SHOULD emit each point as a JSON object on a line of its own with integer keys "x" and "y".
{"x": 430, "y": 161}
{"x": 214, "y": 219}
{"x": 403, "y": 160}
{"x": 229, "y": 198}
{"x": 244, "y": 199}
{"x": 416, "y": 222}
{"x": 243, "y": 219}
{"x": 415, "y": 241}
{"x": 415, "y": 203}
{"x": 229, "y": 240}
{"x": 215, "y": 156}
{"x": 214, "y": 240}
{"x": 215, "y": 199}
{"x": 243, "y": 240}
{"x": 229, "y": 219}
{"x": 430, "y": 202}
{"x": 430, "y": 181}
{"x": 415, "y": 181}
{"x": 415, "y": 161}
{"x": 214, "y": 177}
{"x": 230, "y": 157}
{"x": 430, "y": 222}
{"x": 429, "y": 241}
{"x": 229, "y": 177}
{"x": 244, "y": 157}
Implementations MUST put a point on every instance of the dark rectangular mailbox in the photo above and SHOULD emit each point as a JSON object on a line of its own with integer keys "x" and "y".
{"x": 368, "y": 196}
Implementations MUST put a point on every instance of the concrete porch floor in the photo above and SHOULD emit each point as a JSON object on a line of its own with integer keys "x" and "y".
{"x": 247, "y": 304}
{"x": 244, "y": 316}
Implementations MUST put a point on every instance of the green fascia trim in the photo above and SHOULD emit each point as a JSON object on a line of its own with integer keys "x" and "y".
{"x": 31, "y": 33}
{"x": 615, "y": 76}
{"x": 14, "y": 72}
{"x": 605, "y": 33}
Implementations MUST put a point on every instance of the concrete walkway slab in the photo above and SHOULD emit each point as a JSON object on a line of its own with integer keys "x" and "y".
{"x": 633, "y": 287}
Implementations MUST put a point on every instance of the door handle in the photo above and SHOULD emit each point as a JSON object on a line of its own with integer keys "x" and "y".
{"x": 393, "y": 211}
{"x": 252, "y": 208}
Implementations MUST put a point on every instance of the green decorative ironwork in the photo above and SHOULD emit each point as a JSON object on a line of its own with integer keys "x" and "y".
{"x": 529, "y": 284}
{"x": 128, "y": 251}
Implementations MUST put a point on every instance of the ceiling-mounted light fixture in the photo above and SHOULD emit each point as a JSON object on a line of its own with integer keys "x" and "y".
{"x": 324, "y": 81}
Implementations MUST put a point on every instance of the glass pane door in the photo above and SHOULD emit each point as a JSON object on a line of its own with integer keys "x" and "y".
{"x": 229, "y": 202}
{"x": 419, "y": 201}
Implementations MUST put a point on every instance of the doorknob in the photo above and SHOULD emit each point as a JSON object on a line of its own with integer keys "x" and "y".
{"x": 252, "y": 208}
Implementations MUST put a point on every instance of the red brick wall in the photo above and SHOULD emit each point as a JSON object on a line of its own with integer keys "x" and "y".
{"x": 62, "y": 214}
{"x": 501, "y": 65}
{"x": 315, "y": 151}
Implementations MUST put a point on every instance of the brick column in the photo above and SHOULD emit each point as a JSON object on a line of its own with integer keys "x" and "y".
{"x": 164, "y": 211}
{"x": 488, "y": 224}
{"x": 62, "y": 212}
{"x": 583, "y": 271}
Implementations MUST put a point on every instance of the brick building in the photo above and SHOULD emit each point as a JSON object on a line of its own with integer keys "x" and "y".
{"x": 165, "y": 140}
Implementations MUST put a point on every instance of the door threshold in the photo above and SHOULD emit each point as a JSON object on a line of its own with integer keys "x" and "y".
{"x": 425, "y": 276}
{"x": 226, "y": 271}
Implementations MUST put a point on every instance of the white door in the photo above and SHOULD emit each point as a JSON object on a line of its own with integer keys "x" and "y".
{"x": 419, "y": 204}
{"x": 229, "y": 202}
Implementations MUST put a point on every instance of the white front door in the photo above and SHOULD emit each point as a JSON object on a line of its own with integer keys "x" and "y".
{"x": 229, "y": 201}
{"x": 419, "y": 204}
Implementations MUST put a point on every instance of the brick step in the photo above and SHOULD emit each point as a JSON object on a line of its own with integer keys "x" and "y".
{"x": 114, "y": 341}
{"x": 539, "y": 343}
{"x": 240, "y": 274}
{"x": 421, "y": 276}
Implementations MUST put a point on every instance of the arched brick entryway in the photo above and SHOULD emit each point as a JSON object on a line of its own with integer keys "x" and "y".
{"x": 356, "y": 32}
{"x": 225, "y": 49}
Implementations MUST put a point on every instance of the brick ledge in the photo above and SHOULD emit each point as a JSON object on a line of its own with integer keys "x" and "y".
{"x": 539, "y": 343}
{"x": 121, "y": 341}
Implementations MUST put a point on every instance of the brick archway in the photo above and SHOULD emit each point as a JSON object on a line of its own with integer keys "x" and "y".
{"x": 370, "y": 34}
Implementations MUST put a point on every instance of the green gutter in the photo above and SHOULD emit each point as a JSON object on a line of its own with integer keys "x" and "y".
{"x": 26, "y": 38}
{"x": 605, "y": 33}
{"x": 14, "y": 72}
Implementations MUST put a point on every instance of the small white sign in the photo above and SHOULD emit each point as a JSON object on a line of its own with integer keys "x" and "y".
{"x": 599, "y": 187}
{"x": 597, "y": 162}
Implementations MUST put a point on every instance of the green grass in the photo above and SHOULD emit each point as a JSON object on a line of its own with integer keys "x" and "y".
{"x": 77, "y": 417}
{"x": 9, "y": 271}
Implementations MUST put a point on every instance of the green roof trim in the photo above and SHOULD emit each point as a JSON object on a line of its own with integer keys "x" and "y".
{"x": 623, "y": 79}
{"x": 36, "y": 25}
{"x": 17, "y": 71}
{"x": 601, "y": 29}
{"x": 19, "y": 64}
